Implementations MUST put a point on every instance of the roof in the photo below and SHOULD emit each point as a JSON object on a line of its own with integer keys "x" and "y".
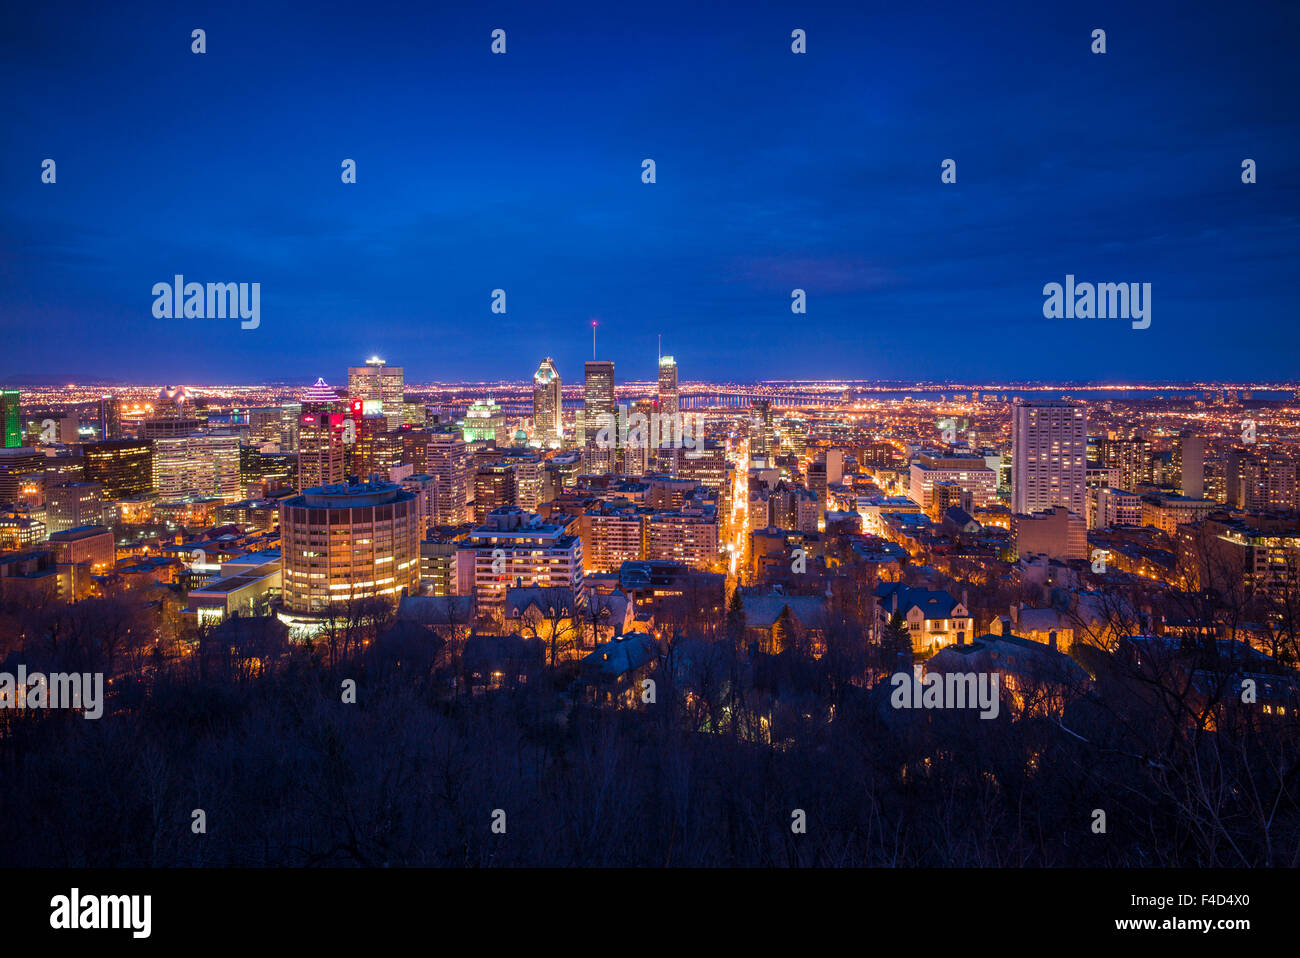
{"x": 933, "y": 604}
{"x": 622, "y": 655}
{"x": 762, "y": 611}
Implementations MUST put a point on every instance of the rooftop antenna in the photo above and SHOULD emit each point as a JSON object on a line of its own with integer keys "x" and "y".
{"x": 593, "y": 340}
{"x": 661, "y": 348}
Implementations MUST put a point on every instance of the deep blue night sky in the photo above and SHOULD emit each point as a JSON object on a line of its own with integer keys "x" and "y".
{"x": 775, "y": 171}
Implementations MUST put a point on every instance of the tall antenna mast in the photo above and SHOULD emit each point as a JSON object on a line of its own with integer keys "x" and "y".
{"x": 593, "y": 340}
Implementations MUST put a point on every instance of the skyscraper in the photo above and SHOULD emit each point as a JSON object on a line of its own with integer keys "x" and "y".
{"x": 123, "y": 467}
{"x": 598, "y": 413}
{"x": 378, "y": 382}
{"x": 11, "y": 418}
{"x": 548, "y": 409}
{"x": 321, "y": 447}
{"x": 668, "y": 403}
{"x": 448, "y": 460}
{"x": 1049, "y": 450}
{"x": 110, "y": 418}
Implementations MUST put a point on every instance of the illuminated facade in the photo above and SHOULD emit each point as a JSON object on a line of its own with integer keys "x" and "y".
{"x": 485, "y": 423}
{"x": 1048, "y": 456}
{"x": 321, "y": 446}
{"x": 548, "y": 408}
{"x": 124, "y": 467}
{"x": 668, "y": 397}
{"x": 11, "y": 418}
{"x": 597, "y": 412}
{"x": 380, "y": 383}
{"x": 344, "y": 542}
{"x": 513, "y": 548}
{"x": 448, "y": 461}
{"x": 197, "y": 466}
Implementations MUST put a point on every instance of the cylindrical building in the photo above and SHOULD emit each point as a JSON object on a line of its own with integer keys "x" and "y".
{"x": 344, "y": 542}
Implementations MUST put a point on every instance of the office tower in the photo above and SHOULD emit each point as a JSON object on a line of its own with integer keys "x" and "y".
{"x": 448, "y": 461}
{"x": 110, "y": 418}
{"x": 264, "y": 427}
{"x": 361, "y": 443}
{"x": 484, "y": 422}
{"x": 169, "y": 427}
{"x": 70, "y": 505}
{"x": 14, "y": 464}
{"x": 598, "y": 413}
{"x": 794, "y": 438}
{"x": 123, "y": 467}
{"x": 289, "y": 413}
{"x": 638, "y": 457}
{"x": 377, "y": 382}
{"x": 425, "y": 488}
{"x": 514, "y": 547}
{"x": 174, "y": 402}
{"x": 548, "y": 404}
{"x": 321, "y": 446}
{"x": 760, "y": 429}
{"x": 668, "y": 396}
{"x": 11, "y": 417}
{"x": 197, "y": 467}
{"x": 349, "y": 541}
{"x": 1189, "y": 465}
{"x": 1049, "y": 456}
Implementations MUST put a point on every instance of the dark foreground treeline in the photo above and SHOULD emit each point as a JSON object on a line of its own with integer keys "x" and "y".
{"x": 287, "y": 774}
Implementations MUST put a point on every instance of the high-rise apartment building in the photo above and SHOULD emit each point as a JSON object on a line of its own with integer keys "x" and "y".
{"x": 377, "y": 382}
{"x": 1189, "y": 465}
{"x": 514, "y": 547}
{"x": 548, "y": 406}
{"x": 1049, "y": 449}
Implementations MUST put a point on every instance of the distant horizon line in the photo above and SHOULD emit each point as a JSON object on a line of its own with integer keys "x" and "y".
{"x": 883, "y": 385}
